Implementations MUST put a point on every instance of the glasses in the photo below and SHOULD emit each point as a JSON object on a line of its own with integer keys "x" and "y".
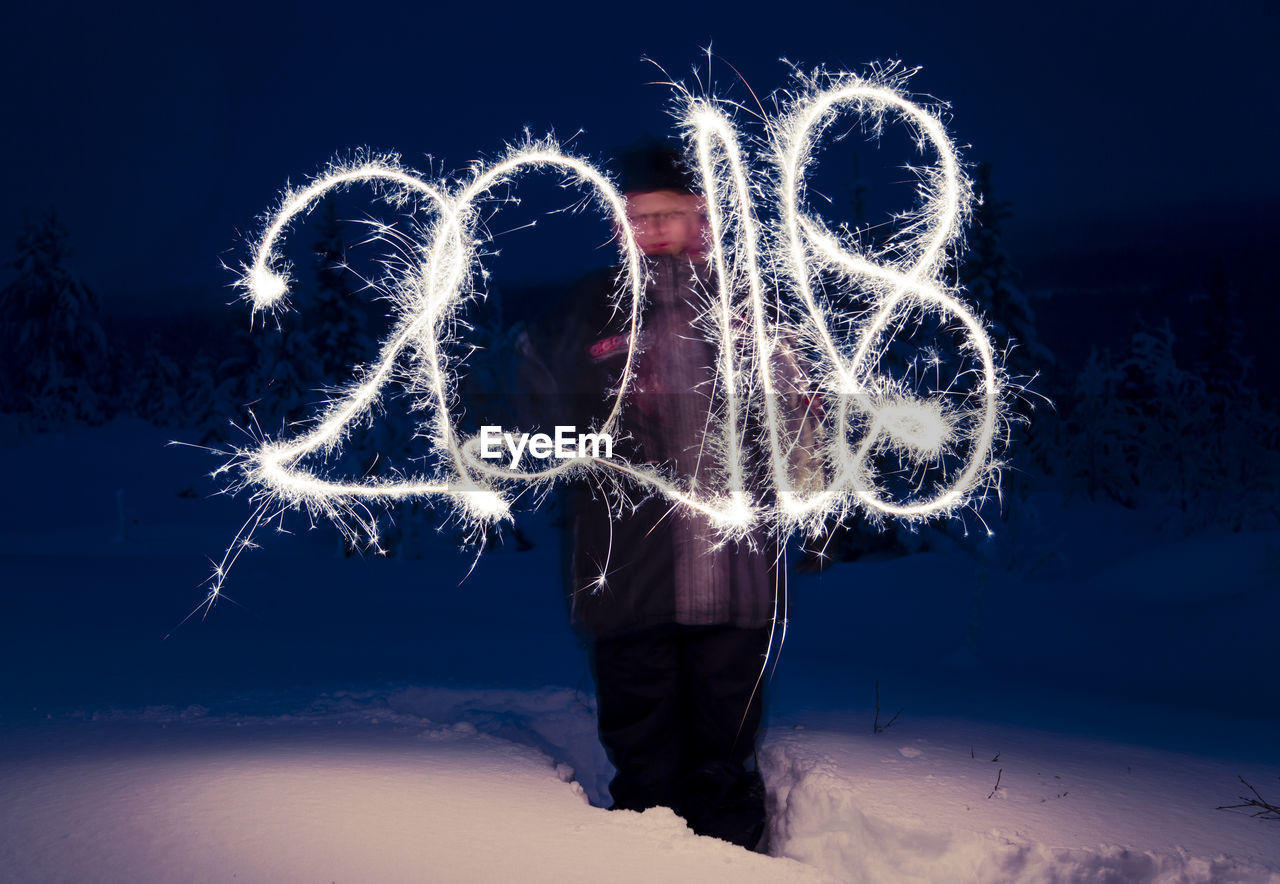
{"x": 658, "y": 219}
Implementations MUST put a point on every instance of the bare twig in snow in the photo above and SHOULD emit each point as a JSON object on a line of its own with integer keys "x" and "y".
{"x": 876, "y": 727}
{"x": 1265, "y": 810}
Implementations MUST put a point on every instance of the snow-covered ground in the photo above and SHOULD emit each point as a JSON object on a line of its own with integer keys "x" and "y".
{"x": 356, "y": 793}
{"x": 1074, "y": 712}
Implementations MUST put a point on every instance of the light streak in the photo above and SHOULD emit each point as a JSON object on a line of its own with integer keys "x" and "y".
{"x": 781, "y": 255}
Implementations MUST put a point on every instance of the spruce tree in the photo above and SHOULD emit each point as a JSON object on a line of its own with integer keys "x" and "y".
{"x": 1240, "y": 444}
{"x": 1220, "y": 356}
{"x": 285, "y": 367}
{"x": 54, "y": 349}
{"x": 1096, "y": 432}
{"x": 338, "y": 315}
{"x": 157, "y": 387}
{"x": 990, "y": 280}
{"x": 1163, "y": 407}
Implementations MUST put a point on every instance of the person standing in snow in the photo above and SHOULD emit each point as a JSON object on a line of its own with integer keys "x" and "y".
{"x": 679, "y": 623}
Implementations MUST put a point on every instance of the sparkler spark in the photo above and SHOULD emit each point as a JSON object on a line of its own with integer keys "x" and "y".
{"x": 856, "y": 414}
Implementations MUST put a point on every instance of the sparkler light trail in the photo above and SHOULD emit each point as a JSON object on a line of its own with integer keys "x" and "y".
{"x": 873, "y": 444}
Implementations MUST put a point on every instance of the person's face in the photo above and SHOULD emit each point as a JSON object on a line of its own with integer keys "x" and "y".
{"x": 666, "y": 222}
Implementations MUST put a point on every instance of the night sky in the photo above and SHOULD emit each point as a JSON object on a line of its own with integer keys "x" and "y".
{"x": 159, "y": 132}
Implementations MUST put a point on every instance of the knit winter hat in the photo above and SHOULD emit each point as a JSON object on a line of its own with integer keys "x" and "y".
{"x": 650, "y": 165}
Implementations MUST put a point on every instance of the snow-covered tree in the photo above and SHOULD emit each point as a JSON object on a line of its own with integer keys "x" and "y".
{"x": 287, "y": 380}
{"x": 1220, "y": 356}
{"x": 337, "y": 314}
{"x": 990, "y": 281}
{"x": 1164, "y": 407}
{"x": 1240, "y": 447}
{"x": 1096, "y": 431}
{"x": 1147, "y": 428}
{"x": 275, "y": 373}
{"x": 200, "y": 385}
{"x": 54, "y": 350}
{"x": 155, "y": 387}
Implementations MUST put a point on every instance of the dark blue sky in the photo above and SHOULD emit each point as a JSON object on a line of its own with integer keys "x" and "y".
{"x": 160, "y": 131}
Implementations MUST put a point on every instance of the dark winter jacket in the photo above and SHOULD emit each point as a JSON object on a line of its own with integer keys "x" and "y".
{"x": 661, "y": 565}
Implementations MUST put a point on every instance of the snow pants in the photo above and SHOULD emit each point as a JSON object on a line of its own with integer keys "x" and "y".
{"x": 679, "y": 712}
